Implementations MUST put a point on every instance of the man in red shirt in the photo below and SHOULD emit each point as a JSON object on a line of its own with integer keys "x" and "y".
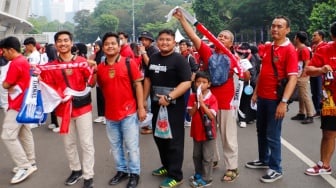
{"x": 306, "y": 107}
{"x": 80, "y": 122}
{"x": 17, "y": 138}
{"x": 122, "y": 109}
{"x": 316, "y": 81}
{"x": 324, "y": 63}
{"x": 280, "y": 55}
{"x": 125, "y": 48}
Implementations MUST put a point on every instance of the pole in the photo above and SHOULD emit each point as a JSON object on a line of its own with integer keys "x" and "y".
{"x": 133, "y": 33}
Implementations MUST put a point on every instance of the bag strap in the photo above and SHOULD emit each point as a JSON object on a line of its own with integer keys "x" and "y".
{"x": 65, "y": 78}
{"x": 128, "y": 65}
{"x": 273, "y": 64}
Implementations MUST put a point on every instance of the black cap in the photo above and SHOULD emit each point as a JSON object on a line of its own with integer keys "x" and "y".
{"x": 147, "y": 35}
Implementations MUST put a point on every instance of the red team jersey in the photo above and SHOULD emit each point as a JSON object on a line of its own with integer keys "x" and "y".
{"x": 18, "y": 74}
{"x": 286, "y": 62}
{"x": 116, "y": 87}
{"x": 77, "y": 78}
{"x": 224, "y": 93}
{"x": 197, "y": 129}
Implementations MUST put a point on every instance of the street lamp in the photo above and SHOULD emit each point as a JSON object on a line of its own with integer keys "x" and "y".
{"x": 133, "y": 32}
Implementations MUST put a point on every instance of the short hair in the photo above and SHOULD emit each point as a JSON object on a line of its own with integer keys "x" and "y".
{"x": 51, "y": 52}
{"x": 288, "y": 22}
{"x": 81, "y": 49}
{"x": 321, "y": 33}
{"x": 29, "y": 40}
{"x": 202, "y": 74}
{"x": 302, "y": 36}
{"x": 11, "y": 42}
{"x": 186, "y": 41}
{"x": 333, "y": 29}
{"x": 56, "y": 36}
{"x": 123, "y": 33}
{"x": 111, "y": 34}
{"x": 230, "y": 33}
{"x": 168, "y": 32}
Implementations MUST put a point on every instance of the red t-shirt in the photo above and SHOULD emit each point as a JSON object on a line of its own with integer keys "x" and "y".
{"x": 18, "y": 74}
{"x": 286, "y": 62}
{"x": 116, "y": 87}
{"x": 77, "y": 78}
{"x": 326, "y": 55}
{"x": 224, "y": 93}
{"x": 126, "y": 51}
{"x": 197, "y": 129}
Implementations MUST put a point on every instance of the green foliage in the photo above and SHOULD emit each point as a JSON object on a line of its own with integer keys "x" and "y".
{"x": 323, "y": 14}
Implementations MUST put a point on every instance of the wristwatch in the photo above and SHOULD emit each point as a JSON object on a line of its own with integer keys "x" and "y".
{"x": 284, "y": 100}
{"x": 169, "y": 98}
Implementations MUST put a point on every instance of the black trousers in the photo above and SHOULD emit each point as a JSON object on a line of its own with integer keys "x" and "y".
{"x": 172, "y": 150}
{"x": 100, "y": 102}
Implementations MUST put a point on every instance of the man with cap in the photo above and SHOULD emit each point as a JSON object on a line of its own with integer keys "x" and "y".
{"x": 17, "y": 138}
{"x": 147, "y": 49}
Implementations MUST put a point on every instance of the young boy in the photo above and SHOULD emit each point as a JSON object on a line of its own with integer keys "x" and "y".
{"x": 201, "y": 104}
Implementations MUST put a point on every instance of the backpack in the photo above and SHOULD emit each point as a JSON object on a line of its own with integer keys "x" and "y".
{"x": 219, "y": 68}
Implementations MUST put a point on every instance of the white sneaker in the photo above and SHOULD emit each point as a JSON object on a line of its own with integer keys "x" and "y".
{"x": 187, "y": 123}
{"x": 33, "y": 125}
{"x": 16, "y": 169}
{"x": 242, "y": 124}
{"x": 22, "y": 174}
{"x": 56, "y": 130}
{"x": 99, "y": 119}
{"x": 104, "y": 122}
{"x": 51, "y": 126}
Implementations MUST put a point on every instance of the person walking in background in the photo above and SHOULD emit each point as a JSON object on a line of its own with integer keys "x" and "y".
{"x": 323, "y": 63}
{"x": 125, "y": 49}
{"x": 203, "y": 107}
{"x": 279, "y": 56}
{"x": 316, "y": 81}
{"x": 224, "y": 93}
{"x": 186, "y": 51}
{"x": 76, "y": 121}
{"x": 306, "y": 106}
{"x": 147, "y": 49}
{"x": 168, "y": 93}
{"x": 98, "y": 56}
{"x": 122, "y": 109}
{"x": 4, "y": 65}
{"x": 17, "y": 138}
{"x": 247, "y": 115}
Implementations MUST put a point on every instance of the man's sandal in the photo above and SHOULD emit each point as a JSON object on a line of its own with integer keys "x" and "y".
{"x": 230, "y": 175}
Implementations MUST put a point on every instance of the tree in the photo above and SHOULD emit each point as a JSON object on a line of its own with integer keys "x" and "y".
{"x": 323, "y": 14}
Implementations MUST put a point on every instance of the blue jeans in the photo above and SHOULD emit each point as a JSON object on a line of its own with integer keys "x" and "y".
{"x": 269, "y": 133}
{"x": 125, "y": 132}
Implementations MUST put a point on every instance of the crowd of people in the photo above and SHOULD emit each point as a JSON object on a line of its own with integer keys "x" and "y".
{"x": 173, "y": 82}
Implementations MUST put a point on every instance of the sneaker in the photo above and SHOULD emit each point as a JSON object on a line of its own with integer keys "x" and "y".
{"x": 215, "y": 164}
{"x": 271, "y": 176}
{"x": 160, "y": 172}
{"x": 22, "y": 174}
{"x": 195, "y": 177}
{"x": 199, "y": 183}
{"x": 308, "y": 120}
{"x": 74, "y": 177}
{"x": 99, "y": 119}
{"x": 104, "y": 121}
{"x": 187, "y": 123}
{"x": 16, "y": 169}
{"x": 318, "y": 169}
{"x": 146, "y": 130}
{"x": 88, "y": 183}
{"x": 256, "y": 164}
{"x": 170, "y": 182}
{"x": 242, "y": 124}
{"x": 51, "y": 126}
{"x": 56, "y": 130}
{"x": 298, "y": 117}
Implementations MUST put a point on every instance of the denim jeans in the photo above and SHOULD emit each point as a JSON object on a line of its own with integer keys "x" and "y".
{"x": 269, "y": 133}
{"x": 125, "y": 133}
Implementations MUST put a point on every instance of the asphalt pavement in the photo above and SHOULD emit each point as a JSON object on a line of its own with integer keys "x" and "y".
{"x": 300, "y": 148}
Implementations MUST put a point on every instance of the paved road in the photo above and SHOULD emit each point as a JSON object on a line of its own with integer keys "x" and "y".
{"x": 53, "y": 166}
